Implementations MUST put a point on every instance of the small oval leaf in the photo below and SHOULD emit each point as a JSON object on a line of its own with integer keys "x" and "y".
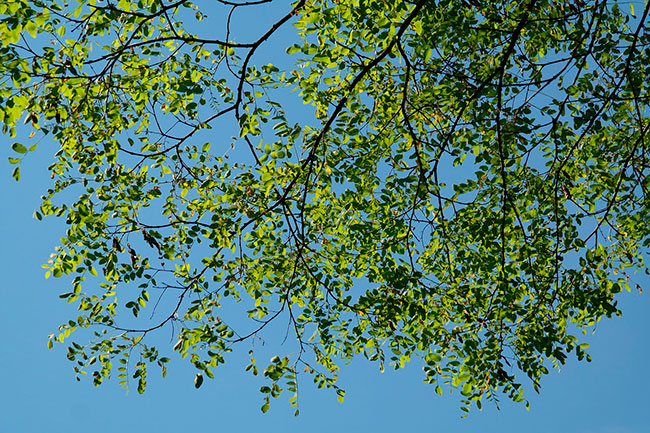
{"x": 19, "y": 148}
{"x": 198, "y": 380}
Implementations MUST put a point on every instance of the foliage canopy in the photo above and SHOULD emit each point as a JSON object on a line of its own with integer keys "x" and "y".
{"x": 463, "y": 182}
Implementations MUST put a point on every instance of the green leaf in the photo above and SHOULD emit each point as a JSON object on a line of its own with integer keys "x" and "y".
{"x": 293, "y": 49}
{"x": 19, "y": 148}
{"x": 198, "y": 380}
{"x": 31, "y": 29}
{"x": 312, "y": 18}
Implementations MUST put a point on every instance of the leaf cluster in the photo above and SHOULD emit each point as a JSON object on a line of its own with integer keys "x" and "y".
{"x": 458, "y": 182}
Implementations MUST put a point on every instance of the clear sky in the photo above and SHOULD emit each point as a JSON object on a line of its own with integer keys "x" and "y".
{"x": 39, "y": 392}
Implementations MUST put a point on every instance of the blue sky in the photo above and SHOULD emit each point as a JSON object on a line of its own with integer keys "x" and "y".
{"x": 40, "y": 393}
